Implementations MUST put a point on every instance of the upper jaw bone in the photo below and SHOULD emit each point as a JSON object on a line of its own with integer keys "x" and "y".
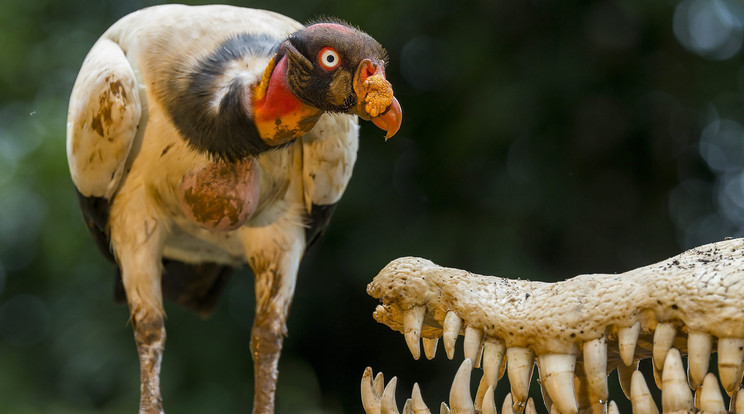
{"x": 662, "y": 300}
{"x": 555, "y": 317}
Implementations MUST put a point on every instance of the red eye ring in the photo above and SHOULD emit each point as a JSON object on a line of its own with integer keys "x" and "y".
{"x": 328, "y": 58}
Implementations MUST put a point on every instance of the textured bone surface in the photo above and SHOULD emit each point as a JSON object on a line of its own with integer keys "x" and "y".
{"x": 701, "y": 289}
{"x": 580, "y": 329}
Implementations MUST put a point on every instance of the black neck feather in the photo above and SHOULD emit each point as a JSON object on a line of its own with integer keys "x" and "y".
{"x": 227, "y": 131}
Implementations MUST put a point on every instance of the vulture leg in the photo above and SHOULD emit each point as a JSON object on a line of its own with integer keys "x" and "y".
{"x": 138, "y": 248}
{"x": 275, "y": 270}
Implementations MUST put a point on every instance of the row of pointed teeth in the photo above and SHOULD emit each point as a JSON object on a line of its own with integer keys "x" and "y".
{"x": 557, "y": 370}
{"x": 676, "y": 396}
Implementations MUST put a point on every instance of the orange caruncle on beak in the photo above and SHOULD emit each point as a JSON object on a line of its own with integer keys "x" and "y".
{"x": 375, "y": 100}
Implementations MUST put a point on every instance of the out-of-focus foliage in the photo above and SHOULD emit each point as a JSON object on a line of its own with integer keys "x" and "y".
{"x": 540, "y": 140}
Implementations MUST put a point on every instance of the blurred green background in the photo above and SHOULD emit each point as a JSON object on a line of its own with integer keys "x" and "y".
{"x": 541, "y": 139}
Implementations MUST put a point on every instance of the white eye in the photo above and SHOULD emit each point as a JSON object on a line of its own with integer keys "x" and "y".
{"x": 329, "y": 58}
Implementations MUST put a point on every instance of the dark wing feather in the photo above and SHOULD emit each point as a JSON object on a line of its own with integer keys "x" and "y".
{"x": 319, "y": 218}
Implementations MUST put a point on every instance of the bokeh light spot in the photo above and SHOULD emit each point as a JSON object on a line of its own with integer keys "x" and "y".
{"x": 712, "y": 29}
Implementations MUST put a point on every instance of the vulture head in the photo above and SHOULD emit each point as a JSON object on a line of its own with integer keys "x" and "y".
{"x": 325, "y": 67}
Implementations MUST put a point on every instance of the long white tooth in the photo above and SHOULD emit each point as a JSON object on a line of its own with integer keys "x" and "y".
{"x": 408, "y": 407}
{"x": 493, "y": 356}
{"x": 675, "y": 393}
{"x": 624, "y": 374}
{"x": 732, "y": 402}
{"x": 430, "y": 347}
{"x": 443, "y": 409}
{"x": 730, "y": 357}
{"x": 489, "y": 403}
{"x": 545, "y": 396}
{"x": 612, "y": 408}
{"x": 388, "y": 398}
{"x": 557, "y": 373}
{"x": 554, "y": 410}
{"x": 460, "y": 400}
{"x": 626, "y": 342}
{"x": 584, "y": 399}
{"x": 699, "y": 346}
{"x": 450, "y": 332}
{"x": 480, "y": 394}
{"x": 472, "y": 343}
{"x": 739, "y": 403}
{"x": 640, "y": 397}
{"x": 370, "y": 398}
{"x": 663, "y": 338}
{"x": 520, "y": 362}
{"x": 413, "y": 320}
{"x": 710, "y": 395}
{"x": 595, "y": 367}
{"x": 417, "y": 403}
{"x": 379, "y": 383}
{"x": 508, "y": 406}
{"x": 657, "y": 376}
{"x": 530, "y": 409}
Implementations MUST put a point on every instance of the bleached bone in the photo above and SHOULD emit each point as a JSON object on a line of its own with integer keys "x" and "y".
{"x": 643, "y": 313}
{"x": 699, "y": 290}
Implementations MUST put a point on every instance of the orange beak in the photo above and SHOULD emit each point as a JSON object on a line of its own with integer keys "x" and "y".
{"x": 375, "y": 100}
{"x": 390, "y": 120}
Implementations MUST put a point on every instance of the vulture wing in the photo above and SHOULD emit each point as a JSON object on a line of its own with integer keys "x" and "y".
{"x": 329, "y": 152}
{"x": 102, "y": 122}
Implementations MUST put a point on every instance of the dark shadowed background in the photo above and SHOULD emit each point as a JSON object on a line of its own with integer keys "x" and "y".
{"x": 541, "y": 139}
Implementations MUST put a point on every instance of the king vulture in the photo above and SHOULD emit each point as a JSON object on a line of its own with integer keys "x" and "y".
{"x": 203, "y": 138}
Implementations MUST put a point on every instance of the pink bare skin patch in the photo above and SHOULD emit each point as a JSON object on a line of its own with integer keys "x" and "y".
{"x": 221, "y": 196}
{"x": 333, "y": 26}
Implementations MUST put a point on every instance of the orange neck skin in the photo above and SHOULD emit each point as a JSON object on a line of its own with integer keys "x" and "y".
{"x": 279, "y": 116}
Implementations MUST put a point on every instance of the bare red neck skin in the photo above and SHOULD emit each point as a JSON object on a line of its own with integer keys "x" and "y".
{"x": 279, "y": 116}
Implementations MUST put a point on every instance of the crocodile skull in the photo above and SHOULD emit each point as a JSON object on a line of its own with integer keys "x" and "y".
{"x": 576, "y": 331}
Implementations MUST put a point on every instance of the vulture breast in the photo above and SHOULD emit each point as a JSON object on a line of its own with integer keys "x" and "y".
{"x": 221, "y": 195}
